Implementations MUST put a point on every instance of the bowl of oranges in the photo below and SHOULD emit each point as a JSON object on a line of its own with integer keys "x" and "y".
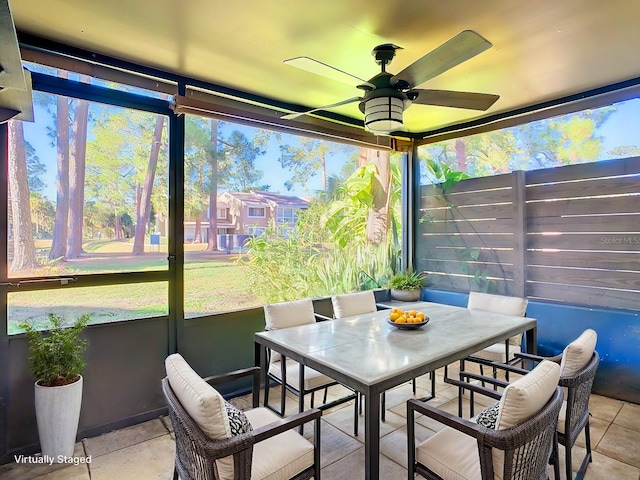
{"x": 407, "y": 319}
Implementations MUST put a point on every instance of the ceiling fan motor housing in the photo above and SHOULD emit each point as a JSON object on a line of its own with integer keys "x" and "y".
{"x": 383, "y": 106}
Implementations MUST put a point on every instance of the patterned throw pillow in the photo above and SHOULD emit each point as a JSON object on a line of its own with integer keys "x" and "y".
{"x": 488, "y": 416}
{"x": 238, "y": 421}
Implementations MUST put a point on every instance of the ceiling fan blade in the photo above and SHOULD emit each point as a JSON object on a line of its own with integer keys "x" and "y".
{"x": 453, "y": 52}
{"x": 325, "y": 107}
{"x": 314, "y": 66}
{"x": 446, "y": 98}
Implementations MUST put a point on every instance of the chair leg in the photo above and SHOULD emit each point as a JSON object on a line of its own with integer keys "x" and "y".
{"x": 326, "y": 391}
{"x": 567, "y": 460}
{"x": 382, "y": 407}
{"x": 175, "y": 474}
{"x": 413, "y": 382}
{"x": 588, "y": 457}
{"x": 313, "y": 397}
{"x": 266, "y": 390}
{"x": 555, "y": 458}
{"x": 355, "y": 414}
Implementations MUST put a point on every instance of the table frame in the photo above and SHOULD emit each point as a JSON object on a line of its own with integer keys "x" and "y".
{"x": 280, "y": 341}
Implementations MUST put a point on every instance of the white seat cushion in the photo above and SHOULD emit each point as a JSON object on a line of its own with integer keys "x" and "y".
{"x": 201, "y": 401}
{"x": 451, "y": 454}
{"x": 496, "y": 353}
{"x": 279, "y": 457}
{"x": 312, "y": 378}
{"x": 578, "y": 353}
{"x": 353, "y": 304}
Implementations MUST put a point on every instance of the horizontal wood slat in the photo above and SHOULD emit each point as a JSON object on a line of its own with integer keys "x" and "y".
{"x": 593, "y": 223}
{"x": 585, "y": 277}
{"x": 586, "y": 241}
{"x": 468, "y": 241}
{"x": 470, "y": 185}
{"x": 583, "y": 206}
{"x": 469, "y": 213}
{"x": 598, "y": 297}
{"x": 463, "y": 226}
{"x": 486, "y": 255}
{"x": 458, "y": 267}
{"x": 603, "y": 260}
{"x": 449, "y": 282}
{"x": 608, "y": 186}
{"x": 609, "y": 168}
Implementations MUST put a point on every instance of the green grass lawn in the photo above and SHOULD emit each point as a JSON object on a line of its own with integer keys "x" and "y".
{"x": 213, "y": 283}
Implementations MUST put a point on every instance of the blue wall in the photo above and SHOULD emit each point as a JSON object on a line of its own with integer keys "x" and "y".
{"x": 558, "y": 324}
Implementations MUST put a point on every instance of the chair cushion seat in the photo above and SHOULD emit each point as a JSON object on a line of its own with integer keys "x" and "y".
{"x": 496, "y": 353}
{"x": 312, "y": 378}
{"x": 279, "y": 457}
{"x": 450, "y": 454}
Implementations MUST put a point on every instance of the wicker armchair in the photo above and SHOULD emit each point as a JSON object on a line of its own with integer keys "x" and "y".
{"x": 517, "y": 448}
{"x": 578, "y": 365}
{"x": 271, "y": 450}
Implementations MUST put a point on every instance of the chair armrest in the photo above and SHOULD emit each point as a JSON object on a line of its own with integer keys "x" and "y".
{"x": 465, "y": 426}
{"x": 321, "y": 317}
{"x": 538, "y": 358}
{"x": 488, "y": 392}
{"x": 228, "y": 377}
{"x": 275, "y": 428}
{"x": 509, "y": 368}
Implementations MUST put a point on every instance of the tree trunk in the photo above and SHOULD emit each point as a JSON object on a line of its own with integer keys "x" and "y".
{"x": 378, "y": 220}
{"x": 461, "y": 155}
{"x": 145, "y": 199}
{"x": 59, "y": 241}
{"x": 24, "y": 251}
{"x": 77, "y": 166}
{"x": 117, "y": 227}
{"x": 212, "y": 240}
{"x": 197, "y": 234}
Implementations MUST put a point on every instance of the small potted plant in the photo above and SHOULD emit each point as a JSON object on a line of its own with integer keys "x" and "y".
{"x": 407, "y": 286}
{"x": 56, "y": 359}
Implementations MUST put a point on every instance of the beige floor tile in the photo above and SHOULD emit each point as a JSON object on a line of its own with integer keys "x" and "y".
{"x": 351, "y": 467}
{"x": 597, "y": 429}
{"x": 334, "y": 443}
{"x": 343, "y": 419}
{"x": 112, "y": 441}
{"x": 621, "y": 443}
{"x": 28, "y": 471}
{"x": 74, "y": 472}
{"x": 394, "y": 445}
{"x": 149, "y": 460}
{"x": 629, "y": 416}
{"x": 604, "y": 408}
{"x": 604, "y": 467}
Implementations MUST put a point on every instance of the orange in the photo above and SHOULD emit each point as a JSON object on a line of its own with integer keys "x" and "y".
{"x": 420, "y": 316}
{"x": 412, "y": 313}
{"x": 394, "y": 316}
{"x": 401, "y": 319}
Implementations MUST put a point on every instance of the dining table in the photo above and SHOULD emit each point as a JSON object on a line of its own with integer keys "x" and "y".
{"x": 370, "y": 355}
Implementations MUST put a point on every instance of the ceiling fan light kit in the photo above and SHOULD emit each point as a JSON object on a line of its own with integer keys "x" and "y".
{"x": 387, "y": 96}
{"x": 383, "y": 114}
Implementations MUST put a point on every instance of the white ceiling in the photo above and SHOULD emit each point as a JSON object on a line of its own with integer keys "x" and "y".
{"x": 542, "y": 50}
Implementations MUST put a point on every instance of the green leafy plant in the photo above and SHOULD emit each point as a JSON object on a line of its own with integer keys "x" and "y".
{"x": 56, "y": 357}
{"x": 407, "y": 281}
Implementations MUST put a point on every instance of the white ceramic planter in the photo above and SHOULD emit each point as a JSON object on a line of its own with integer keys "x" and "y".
{"x": 405, "y": 295}
{"x": 58, "y": 413}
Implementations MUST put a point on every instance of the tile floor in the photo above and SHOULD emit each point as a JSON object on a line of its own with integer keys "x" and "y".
{"x": 145, "y": 451}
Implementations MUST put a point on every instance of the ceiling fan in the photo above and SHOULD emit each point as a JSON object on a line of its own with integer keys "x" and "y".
{"x": 387, "y": 96}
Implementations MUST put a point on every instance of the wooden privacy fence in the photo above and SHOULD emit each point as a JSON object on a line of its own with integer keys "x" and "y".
{"x": 568, "y": 234}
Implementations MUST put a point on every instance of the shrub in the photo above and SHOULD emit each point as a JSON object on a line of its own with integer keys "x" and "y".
{"x": 407, "y": 281}
{"x": 56, "y": 357}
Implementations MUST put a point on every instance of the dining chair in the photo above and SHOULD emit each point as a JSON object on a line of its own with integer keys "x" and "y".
{"x": 360, "y": 303}
{"x": 513, "y": 439}
{"x": 285, "y": 371}
{"x": 578, "y": 365}
{"x": 216, "y": 441}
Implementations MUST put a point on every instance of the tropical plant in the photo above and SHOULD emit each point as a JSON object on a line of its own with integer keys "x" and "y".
{"x": 56, "y": 357}
{"x": 407, "y": 281}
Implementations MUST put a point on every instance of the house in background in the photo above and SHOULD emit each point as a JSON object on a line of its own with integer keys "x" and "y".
{"x": 248, "y": 213}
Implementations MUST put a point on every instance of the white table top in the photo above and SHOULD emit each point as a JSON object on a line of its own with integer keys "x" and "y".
{"x": 368, "y": 351}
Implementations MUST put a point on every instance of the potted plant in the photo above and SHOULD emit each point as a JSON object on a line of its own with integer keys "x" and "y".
{"x": 406, "y": 286}
{"x": 56, "y": 360}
